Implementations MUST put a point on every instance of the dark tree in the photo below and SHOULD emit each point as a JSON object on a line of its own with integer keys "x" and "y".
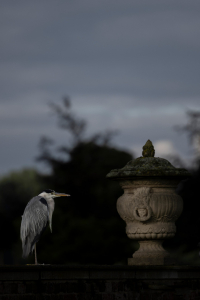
{"x": 192, "y": 129}
{"x": 86, "y": 227}
{"x": 188, "y": 225}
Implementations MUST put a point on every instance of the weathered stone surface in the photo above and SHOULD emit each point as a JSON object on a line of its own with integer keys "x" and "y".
{"x": 101, "y": 282}
{"x": 148, "y": 149}
{"x": 148, "y": 166}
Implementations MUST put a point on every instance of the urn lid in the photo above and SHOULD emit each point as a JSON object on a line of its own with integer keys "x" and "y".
{"x": 148, "y": 165}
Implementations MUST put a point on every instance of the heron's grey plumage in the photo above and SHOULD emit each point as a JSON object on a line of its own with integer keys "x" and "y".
{"x": 35, "y": 219}
{"x": 37, "y": 214}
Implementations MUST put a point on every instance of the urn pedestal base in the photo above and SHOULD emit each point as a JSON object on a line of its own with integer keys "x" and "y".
{"x": 151, "y": 252}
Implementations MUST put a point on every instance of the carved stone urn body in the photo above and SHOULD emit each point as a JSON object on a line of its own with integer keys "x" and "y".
{"x": 149, "y": 205}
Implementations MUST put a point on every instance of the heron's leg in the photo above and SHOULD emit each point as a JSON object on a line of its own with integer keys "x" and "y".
{"x": 35, "y": 256}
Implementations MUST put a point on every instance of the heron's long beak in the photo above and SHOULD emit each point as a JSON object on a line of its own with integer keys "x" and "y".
{"x": 60, "y": 194}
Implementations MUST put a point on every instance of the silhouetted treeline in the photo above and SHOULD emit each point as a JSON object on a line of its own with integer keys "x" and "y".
{"x": 86, "y": 226}
{"x": 185, "y": 243}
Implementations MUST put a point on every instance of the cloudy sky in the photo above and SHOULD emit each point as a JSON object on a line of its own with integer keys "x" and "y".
{"x": 133, "y": 66}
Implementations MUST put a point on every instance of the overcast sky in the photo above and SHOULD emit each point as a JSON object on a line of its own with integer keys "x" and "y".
{"x": 133, "y": 66}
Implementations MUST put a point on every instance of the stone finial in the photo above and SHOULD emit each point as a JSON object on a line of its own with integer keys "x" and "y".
{"x": 148, "y": 149}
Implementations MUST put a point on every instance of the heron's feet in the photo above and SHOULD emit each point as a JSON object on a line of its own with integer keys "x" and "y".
{"x": 35, "y": 264}
{"x": 42, "y": 264}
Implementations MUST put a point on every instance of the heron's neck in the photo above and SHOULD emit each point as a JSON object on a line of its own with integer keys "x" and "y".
{"x": 51, "y": 205}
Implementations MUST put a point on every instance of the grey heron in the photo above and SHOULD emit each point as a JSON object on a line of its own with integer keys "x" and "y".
{"x": 37, "y": 215}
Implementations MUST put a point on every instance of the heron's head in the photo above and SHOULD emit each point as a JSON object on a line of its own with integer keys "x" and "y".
{"x": 52, "y": 194}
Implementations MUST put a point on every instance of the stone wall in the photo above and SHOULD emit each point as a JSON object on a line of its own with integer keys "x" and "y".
{"x": 99, "y": 282}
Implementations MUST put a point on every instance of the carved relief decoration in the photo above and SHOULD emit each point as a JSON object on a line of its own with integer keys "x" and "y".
{"x": 142, "y": 211}
{"x": 144, "y": 205}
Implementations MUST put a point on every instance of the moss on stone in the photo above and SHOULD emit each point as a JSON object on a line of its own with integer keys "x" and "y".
{"x": 148, "y": 149}
{"x": 148, "y": 166}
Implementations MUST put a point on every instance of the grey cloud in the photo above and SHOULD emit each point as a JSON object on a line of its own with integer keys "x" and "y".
{"x": 129, "y": 65}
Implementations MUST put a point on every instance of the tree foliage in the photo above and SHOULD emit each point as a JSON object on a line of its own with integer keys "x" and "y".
{"x": 86, "y": 226}
{"x": 188, "y": 225}
{"x": 192, "y": 129}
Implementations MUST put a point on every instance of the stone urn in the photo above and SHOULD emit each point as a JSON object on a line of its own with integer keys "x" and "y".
{"x": 149, "y": 205}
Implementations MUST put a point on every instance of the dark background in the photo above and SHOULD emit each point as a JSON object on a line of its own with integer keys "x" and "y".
{"x": 86, "y": 226}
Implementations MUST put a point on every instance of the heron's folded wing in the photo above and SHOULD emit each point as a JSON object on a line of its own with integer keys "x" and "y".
{"x": 35, "y": 218}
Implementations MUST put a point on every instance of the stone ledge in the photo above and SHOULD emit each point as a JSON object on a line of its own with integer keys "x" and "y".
{"x": 59, "y": 282}
{"x": 62, "y": 272}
